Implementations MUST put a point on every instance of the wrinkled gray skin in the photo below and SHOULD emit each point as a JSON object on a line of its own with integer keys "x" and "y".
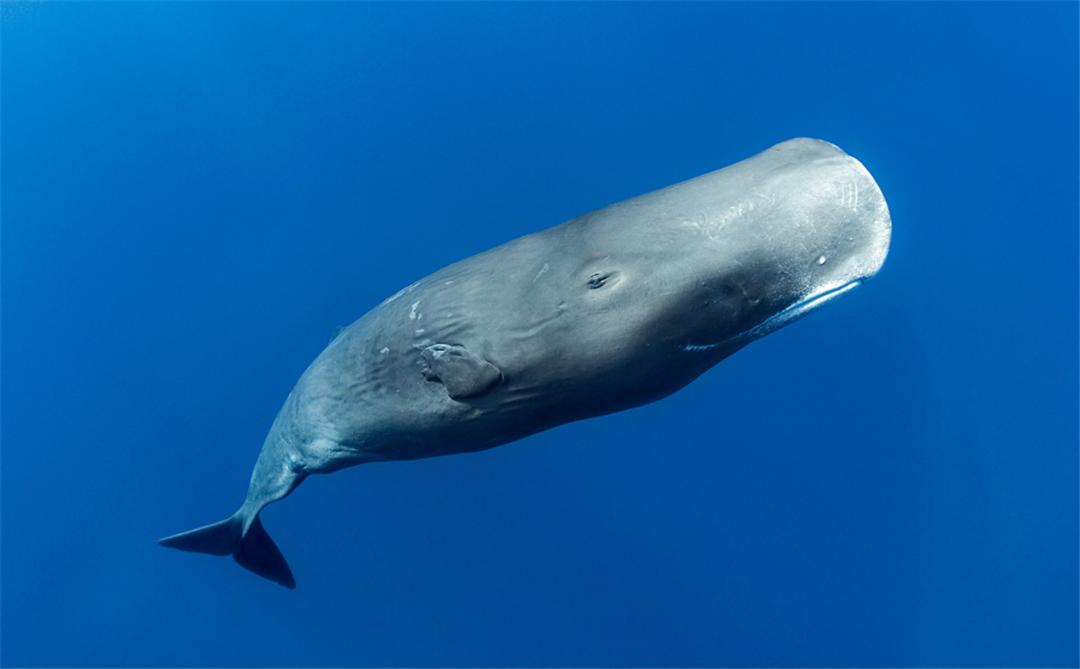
{"x": 611, "y": 310}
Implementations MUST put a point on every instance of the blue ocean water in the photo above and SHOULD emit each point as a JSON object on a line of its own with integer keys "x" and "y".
{"x": 195, "y": 196}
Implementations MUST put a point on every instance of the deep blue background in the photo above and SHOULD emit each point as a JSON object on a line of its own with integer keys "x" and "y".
{"x": 196, "y": 195}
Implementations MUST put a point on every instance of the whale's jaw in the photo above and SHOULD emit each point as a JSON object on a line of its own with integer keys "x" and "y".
{"x": 799, "y": 309}
{"x": 780, "y": 319}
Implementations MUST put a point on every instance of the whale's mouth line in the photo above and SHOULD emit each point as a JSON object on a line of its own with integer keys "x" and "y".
{"x": 780, "y": 318}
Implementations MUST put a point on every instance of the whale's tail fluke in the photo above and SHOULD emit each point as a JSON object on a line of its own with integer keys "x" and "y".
{"x": 252, "y": 549}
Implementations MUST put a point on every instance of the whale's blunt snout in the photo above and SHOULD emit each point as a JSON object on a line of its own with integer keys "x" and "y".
{"x": 835, "y": 223}
{"x": 875, "y": 220}
{"x": 822, "y": 229}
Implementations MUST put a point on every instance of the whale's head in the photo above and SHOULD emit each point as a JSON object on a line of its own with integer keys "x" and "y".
{"x": 738, "y": 253}
{"x": 816, "y": 227}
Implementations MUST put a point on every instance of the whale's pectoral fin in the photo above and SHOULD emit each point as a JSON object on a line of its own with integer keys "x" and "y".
{"x": 463, "y": 373}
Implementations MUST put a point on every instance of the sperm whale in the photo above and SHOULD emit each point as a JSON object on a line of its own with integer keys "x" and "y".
{"x": 611, "y": 310}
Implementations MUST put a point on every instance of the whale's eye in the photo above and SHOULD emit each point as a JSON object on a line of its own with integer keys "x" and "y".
{"x": 598, "y": 280}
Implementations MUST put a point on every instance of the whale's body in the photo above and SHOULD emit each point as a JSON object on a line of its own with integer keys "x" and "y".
{"x": 608, "y": 311}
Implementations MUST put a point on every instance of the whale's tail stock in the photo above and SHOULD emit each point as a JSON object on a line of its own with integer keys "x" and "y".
{"x": 250, "y": 546}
